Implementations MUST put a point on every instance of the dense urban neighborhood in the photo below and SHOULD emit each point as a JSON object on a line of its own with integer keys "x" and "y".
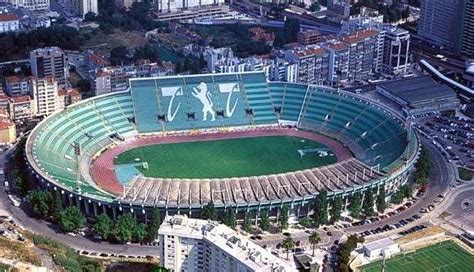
{"x": 237, "y": 135}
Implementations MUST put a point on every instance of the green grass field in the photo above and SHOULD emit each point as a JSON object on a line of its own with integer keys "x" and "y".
{"x": 443, "y": 257}
{"x": 227, "y": 158}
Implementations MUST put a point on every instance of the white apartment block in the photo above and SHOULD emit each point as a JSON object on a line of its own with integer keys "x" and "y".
{"x": 199, "y": 245}
{"x": 9, "y": 22}
{"x": 32, "y": 5}
{"x": 45, "y": 95}
{"x": 82, "y": 7}
{"x": 175, "y": 6}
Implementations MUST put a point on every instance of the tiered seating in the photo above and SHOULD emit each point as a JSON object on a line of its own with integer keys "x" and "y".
{"x": 374, "y": 136}
{"x": 204, "y": 101}
{"x": 336, "y": 177}
{"x": 89, "y": 125}
{"x": 290, "y": 98}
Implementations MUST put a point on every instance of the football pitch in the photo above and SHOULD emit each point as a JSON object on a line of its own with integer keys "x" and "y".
{"x": 443, "y": 257}
{"x": 229, "y": 157}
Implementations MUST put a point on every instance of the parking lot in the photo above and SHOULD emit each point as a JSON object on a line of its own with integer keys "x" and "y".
{"x": 454, "y": 137}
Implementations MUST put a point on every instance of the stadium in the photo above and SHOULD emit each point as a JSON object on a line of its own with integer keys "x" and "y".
{"x": 179, "y": 142}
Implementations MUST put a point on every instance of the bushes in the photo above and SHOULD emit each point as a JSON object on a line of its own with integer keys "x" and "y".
{"x": 423, "y": 168}
{"x": 465, "y": 174}
{"x": 66, "y": 257}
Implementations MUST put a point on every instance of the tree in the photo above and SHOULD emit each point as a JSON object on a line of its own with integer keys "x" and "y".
{"x": 154, "y": 225}
{"x": 381, "y": 205}
{"x": 83, "y": 85}
{"x": 248, "y": 221}
{"x": 355, "y": 205}
{"x": 140, "y": 233}
{"x": 345, "y": 250}
{"x": 368, "y": 206}
{"x": 89, "y": 17}
{"x": 314, "y": 7}
{"x": 230, "y": 220}
{"x": 305, "y": 222}
{"x": 56, "y": 205}
{"x": 71, "y": 219}
{"x": 320, "y": 215}
{"x": 103, "y": 226}
{"x": 40, "y": 203}
{"x": 209, "y": 212}
{"x": 264, "y": 220}
{"x": 284, "y": 214}
{"x": 124, "y": 228}
{"x": 336, "y": 208}
{"x": 314, "y": 239}
{"x": 288, "y": 244}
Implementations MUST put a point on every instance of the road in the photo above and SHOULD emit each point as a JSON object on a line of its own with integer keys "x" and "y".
{"x": 441, "y": 177}
{"x": 41, "y": 227}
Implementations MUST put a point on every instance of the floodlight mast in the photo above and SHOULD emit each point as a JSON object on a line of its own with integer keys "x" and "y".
{"x": 77, "y": 152}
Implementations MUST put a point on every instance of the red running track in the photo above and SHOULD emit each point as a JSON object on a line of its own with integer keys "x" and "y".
{"x": 102, "y": 168}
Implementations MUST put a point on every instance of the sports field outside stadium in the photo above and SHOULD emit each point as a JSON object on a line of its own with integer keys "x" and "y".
{"x": 444, "y": 257}
{"x": 226, "y": 158}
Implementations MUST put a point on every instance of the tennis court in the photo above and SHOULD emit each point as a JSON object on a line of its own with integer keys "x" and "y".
{"x": 444, "y": 257}
{"x": 227, "y": 158}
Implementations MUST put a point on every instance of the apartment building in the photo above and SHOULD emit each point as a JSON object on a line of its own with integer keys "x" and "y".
{"x": 33, "y": 5}
{"x": 338, "y": 69}
{"x": 9, "y": 22}
{"x": 362, "y": 46}
{"x": 396, "y": 51}
{"x": 199, "y": 245}
{"x": 307, "y": 37}
{"x": 21, "y": 108}
{"x": 16, "y": 86}
{"x": 312, "y": 64}
{"x": 81, "y": 7}
{"x": 67, "y": 97}
{"x": 45, "y": 95}
{"x": 50, "y": 62}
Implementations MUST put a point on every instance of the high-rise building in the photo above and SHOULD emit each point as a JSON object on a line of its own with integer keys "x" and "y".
{"x": 16, "y": 86}
{"x": 438, "y": 22}
{"x": 199, "y": 245}
{"x": 174, "y": 6}
{"x": 49, "y": 62}
{"x": 45, "y": 95}
{"x": 362, "y": 53}
{"x": 338, "y": 63}
{"x": 448, "y": 24}
{"x": 467, "y": 33}
{"x": 396, "y": 51}
{"x": 82, "y": 7}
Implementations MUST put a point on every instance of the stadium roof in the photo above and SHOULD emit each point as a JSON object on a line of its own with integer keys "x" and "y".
{"x": 418, "y": 90}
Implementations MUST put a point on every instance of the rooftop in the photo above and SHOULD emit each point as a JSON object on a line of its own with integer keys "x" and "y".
{"x": 417, "y": 90}
{"x": 224, "y": 238}
{"x": 19, "y": 99}
{"x": 359, "y": 36}
{"x": 5, "y": 17}
{"x": 380, "y": 244}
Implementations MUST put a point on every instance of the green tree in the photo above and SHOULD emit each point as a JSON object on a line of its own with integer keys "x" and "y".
{"x": 140, "y": 233}
{"x": 40, "y": 203}
{"x": 381, "y": 205}
{"x": 355, "y": 205}
{"x": 89, "y": 17}
{"x": 124, "y": 228}
{"x": 314, "y": 7}
{"x": 305, "y": 222}
{"x": 345, "y": 250}
{"x": 248, "y": 222}
{"x": 336, "y": 209}
{"x": 368, "y": 206}
{"x": 288, "y": 244}
{"x": 154, "y": 225}
{"x": 284, "y": 216}
{"x": 103, "y": 226}
{"x": 209, "y": 212}
{"x": 56, "y": 205}
{"x": 314, "y": 239}
{"x": 320, "y": 215}
{"x": 264, "y": 220}
{"x": 230, "y": 220}
{"x": 71, "y": 219}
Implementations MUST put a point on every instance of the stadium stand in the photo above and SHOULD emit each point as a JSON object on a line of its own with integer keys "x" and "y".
{"x": 73, "y": 150}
